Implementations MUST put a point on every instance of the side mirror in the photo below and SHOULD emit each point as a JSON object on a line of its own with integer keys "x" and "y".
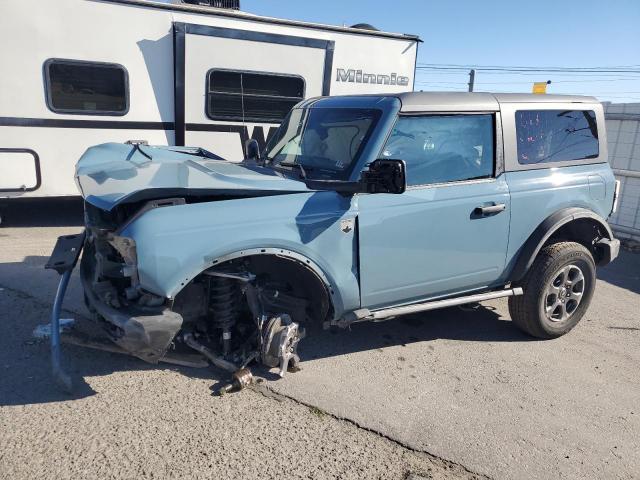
{"x": 382, "y": 176}
{"x": 253, "y": 149}
{"x": 385, "y": 176}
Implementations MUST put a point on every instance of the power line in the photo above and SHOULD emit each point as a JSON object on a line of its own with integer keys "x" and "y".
{"x": 581, "y": 77}
{"x": 518, "y": 83}
{"x": 497, "y": 68}
{"x": 583, "y": 92}
{"x": 530, "y": 70}
{"x": 559, "y": 81}
{"x": 630, "y": 75}
{"x": 467, "y": 66}
{"x": 601, "y": 95}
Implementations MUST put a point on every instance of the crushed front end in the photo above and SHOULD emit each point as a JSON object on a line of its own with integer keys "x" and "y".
{"x": 228, "y": 314}
{"x": 139, "y": 322}
{"x": 234, "y": 311}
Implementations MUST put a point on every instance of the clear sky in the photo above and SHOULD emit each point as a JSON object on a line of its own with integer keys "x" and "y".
{"x": 534, "y": 33}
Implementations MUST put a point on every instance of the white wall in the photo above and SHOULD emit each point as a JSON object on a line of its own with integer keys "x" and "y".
{"x": 623, "y": 132}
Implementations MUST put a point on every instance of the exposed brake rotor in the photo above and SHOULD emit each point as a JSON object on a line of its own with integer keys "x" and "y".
{"x": 280, "y": 338}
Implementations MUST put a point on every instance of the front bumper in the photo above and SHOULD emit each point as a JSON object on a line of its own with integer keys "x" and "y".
{"x": 609, "y": 250}
{"x": 145, "y": 332}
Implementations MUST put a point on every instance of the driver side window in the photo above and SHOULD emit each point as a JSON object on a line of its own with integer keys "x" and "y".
{"x": 443, "y": 148}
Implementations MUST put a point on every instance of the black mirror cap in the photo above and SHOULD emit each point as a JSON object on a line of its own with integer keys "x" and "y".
{"x": 252, "y": 147}
{"x": 386, "y": 176}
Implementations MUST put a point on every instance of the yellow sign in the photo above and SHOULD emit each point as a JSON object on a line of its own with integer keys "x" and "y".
{"x": 540, "y": 87}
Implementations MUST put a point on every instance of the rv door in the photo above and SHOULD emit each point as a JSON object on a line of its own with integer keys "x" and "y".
{"x": 240, "y": 84}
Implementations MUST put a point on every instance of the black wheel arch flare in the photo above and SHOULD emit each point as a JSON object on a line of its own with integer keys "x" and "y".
{"x": 550, "y": 226}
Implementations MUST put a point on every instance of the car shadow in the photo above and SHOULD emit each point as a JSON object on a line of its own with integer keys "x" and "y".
{"x": 623, "y": 272}
{"x": 26, "y": 297}
{"x": 25, "y": 368}
{"x": 26, "y": 371}
{"x": 38, "y": 212}
{"x": 481, "y": 323}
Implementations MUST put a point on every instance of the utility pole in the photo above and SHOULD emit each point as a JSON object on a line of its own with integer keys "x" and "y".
{"x": 472, "y": 79}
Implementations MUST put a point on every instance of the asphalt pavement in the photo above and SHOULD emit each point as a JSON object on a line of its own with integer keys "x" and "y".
{"x": 447, "y": 394}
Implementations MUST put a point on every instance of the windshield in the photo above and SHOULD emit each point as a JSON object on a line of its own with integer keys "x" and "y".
{"x": 324, "y": 142}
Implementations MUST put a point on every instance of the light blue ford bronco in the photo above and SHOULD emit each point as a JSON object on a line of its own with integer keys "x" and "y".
{"x": 359, "y": 208}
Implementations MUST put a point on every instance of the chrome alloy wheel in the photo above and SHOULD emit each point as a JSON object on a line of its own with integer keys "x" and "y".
{"x": 564, "y": 293}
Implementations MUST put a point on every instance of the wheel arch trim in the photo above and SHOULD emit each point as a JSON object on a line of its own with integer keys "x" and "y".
{"x": 277, "y": 252}
{"x": 546, "y": 229}
{"x": 303, "y": 261}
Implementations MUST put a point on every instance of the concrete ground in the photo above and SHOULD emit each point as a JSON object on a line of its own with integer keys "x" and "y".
{"x": 449, "y": 394}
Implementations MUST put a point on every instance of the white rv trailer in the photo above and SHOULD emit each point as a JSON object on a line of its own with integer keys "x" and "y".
{"x": 83, "y": 72}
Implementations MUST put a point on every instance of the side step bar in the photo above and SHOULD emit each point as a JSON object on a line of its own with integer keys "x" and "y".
{"x": 365, "y": 315}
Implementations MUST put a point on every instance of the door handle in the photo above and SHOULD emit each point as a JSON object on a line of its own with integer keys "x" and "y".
{"x": 490, "y": 210}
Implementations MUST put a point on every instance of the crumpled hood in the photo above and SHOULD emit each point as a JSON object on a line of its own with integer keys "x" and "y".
{"x": 114, "y": 173}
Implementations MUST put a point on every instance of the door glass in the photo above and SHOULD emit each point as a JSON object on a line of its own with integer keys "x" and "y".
{"x": 443, "y": 148}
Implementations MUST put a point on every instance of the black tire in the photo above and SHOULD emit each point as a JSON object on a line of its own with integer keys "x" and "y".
{"x": 536, "y": 312}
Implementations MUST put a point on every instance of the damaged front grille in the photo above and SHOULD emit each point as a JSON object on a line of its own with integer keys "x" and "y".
{"x": 115, "y": 260}
{"x": 116, "y": 271}
{"x": 111, "y": 258}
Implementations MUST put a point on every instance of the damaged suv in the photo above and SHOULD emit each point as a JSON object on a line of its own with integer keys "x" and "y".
{"x": 359, "y": 208}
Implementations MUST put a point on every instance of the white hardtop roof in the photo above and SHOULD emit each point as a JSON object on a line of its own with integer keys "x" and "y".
{"x": 223, "y": 12}
{"x": 451, "y": 101}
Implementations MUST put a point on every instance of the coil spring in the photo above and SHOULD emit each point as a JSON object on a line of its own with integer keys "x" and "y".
{"x": 223, "y": 300}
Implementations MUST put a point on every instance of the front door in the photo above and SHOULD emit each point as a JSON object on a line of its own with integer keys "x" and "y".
{"x": 448, "y": 232}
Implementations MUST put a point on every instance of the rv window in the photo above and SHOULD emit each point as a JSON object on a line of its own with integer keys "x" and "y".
{"x": 556, "y": 135}
{"x": 252, "y": 97}
{"x": 86, "y": 88}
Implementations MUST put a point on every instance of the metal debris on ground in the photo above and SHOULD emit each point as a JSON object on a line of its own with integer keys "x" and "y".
{"x": 240, "y": 380}
{"x": 44, "y": 331}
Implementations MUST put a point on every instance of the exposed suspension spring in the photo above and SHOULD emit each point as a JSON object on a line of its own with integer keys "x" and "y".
{"x": 224, "y": 296}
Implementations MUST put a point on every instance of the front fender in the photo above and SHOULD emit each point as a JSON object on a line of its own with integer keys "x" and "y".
{"x": 177, "y": 243}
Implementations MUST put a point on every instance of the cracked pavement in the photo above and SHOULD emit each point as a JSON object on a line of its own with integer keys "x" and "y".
{"x": 448, "y": 394}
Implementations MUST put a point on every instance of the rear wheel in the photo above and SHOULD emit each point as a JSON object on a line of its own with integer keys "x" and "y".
{"x": 557, "y": 291}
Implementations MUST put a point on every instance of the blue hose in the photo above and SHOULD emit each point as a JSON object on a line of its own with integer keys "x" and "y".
{"x": 61, "y": 378}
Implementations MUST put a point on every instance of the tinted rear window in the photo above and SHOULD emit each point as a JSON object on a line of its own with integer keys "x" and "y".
{"x": 86, "y": 87}
{"x": 556, "y": 135}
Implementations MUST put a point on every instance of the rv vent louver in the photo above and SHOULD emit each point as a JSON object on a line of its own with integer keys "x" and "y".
{"x": 232, "y": 4}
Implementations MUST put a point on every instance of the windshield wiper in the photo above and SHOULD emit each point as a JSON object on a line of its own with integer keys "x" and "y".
{"x": 303, "y": 172}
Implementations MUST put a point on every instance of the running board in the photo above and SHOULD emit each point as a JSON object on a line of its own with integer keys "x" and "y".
{"x": 365, "y": 315}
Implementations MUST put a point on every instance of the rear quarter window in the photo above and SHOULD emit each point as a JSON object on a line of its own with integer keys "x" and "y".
{"x": 546, "y": 136}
